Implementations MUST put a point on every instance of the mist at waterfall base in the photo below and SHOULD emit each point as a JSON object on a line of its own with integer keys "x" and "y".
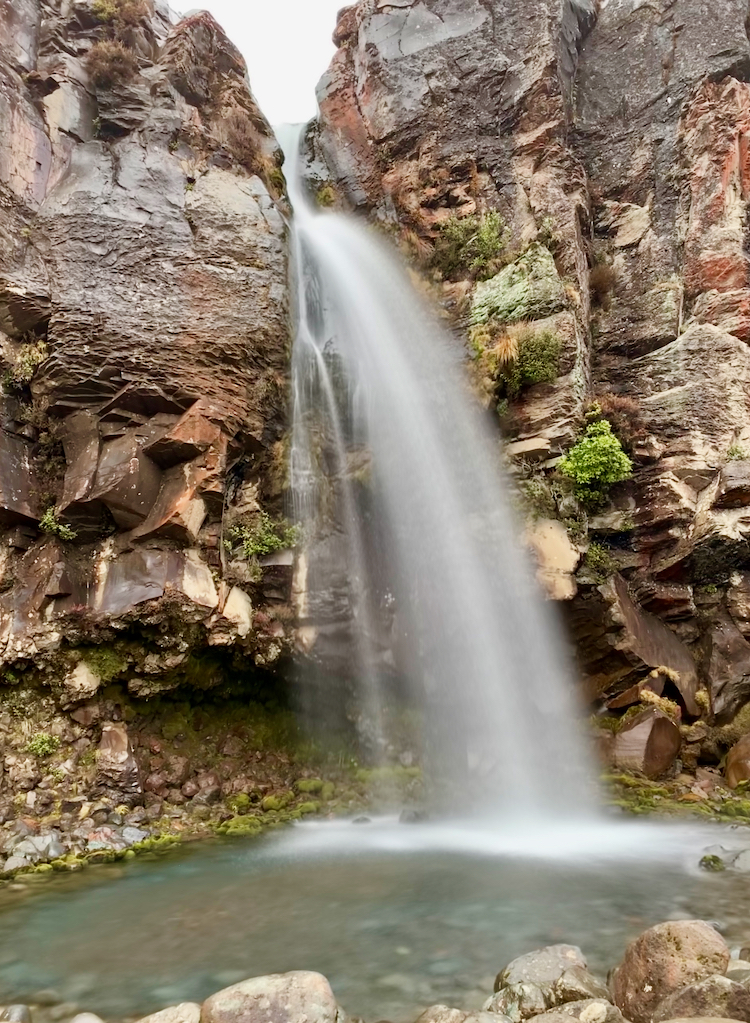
{"x": 438, "y": 586}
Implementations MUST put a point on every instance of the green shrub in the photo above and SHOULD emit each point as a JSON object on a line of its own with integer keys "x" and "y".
{"x": 595, "y": 463}
{"x": 471, "y": 245}
{"x": 120, "y": 13}
{"x": 43, "y": 744}
{"x": 49, "y": 523}
{"x": 264, "y": 536}
{"x": 537, "y": 362}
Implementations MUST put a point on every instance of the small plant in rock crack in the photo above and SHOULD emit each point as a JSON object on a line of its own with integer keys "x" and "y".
{"x": 262, "y": 536}
{"x": 43, "y": 744}
{"x": 472, "y": 245}
{"x": 109, "y": 62}
{"x": 49, "y": 523}
{"x": 30, "y": 357}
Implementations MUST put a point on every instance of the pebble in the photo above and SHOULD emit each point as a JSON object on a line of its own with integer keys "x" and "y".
{"x": 16, "y": 1014}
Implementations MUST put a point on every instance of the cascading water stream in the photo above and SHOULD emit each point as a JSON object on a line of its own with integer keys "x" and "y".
{"x": 373, "y": 370}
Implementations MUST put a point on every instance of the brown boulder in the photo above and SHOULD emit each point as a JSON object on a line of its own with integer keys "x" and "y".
{"x": 280, "y": 997}
{"x": 662, "y": 961}
{"x": 648, "y": 744}
{"x": 737, "y": 767}
{"x": 715, "y": 996}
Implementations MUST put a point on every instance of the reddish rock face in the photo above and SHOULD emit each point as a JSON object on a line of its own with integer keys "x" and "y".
{"x": 143, "y": 330}
{"x": 662, "y": 961}
{"x": 617, "y": 135}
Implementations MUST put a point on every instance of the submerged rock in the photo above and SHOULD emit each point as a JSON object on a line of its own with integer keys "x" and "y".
{"x": 662, "y": 961}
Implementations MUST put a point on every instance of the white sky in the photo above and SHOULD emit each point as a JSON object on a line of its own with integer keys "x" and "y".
{"x": 287, "y": 46}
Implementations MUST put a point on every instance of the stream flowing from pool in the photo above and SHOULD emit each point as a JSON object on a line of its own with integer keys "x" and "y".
{"x": 398, "y": 481}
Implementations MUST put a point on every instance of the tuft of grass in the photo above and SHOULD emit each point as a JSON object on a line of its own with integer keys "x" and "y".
{"x": 120, "y": 13}
{"x": 471, "y": 246}
{"x": 625, "y": 416}
{"x": 109, "y": 62}
{"x": 595, "y": 464}
{"x": 602, "y": 280}
{"x": 737, "y": 453}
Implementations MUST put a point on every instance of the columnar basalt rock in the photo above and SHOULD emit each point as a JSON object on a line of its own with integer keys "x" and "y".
{"x": 144, "y": 335}
{"x": 616, "y": 136}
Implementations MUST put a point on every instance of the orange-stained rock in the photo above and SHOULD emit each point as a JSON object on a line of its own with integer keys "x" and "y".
{"x": 737, "y": 766}
{"x": 648, "y": 744}
{"x": 663, "y": 960}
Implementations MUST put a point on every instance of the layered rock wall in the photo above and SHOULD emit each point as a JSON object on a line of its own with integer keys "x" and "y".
{"x": 145, "y": 342}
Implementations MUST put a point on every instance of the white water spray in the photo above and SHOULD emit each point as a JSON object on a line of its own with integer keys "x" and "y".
{"x": 379, "y": 383}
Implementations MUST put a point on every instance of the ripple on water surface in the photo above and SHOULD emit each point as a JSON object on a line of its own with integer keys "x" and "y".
{"x": 398, "y": 917}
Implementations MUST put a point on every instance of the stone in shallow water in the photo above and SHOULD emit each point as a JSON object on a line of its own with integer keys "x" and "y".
{"x": 588, "y": 1010}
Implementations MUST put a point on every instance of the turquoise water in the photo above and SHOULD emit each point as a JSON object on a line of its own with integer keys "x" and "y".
{"x": 396, "y": 917}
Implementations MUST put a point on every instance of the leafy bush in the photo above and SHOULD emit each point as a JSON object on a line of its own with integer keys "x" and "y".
{"x": 43, "y": 744}
{"x": 109, "y": 62}
{"x": 49, "y": 523}
{"x": 471, "y": 245}
{"x": 516, "y": 358}
{"x": 595, "y": 463}
{"x": 264, "y": 536}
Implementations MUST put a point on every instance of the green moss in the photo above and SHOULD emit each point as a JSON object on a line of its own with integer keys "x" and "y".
{"x": 105, "y": 661}
{"x": 528, "y": 289}
{"x": 737, "y": 453}
{"x": 277, "y": 802}
{"x": 599, "y": 563}
{"x": 239, "y": 803}
{"x": 328, "y": 791}
{"x": 326, "y": 196}
{"x": 712, "y": 863}
{"x": 595, "y": 464}
{"x": 309, "y": 785}
{"x": 308, "y": 807}
{"x": 43, "y": 745}
{"x": 470, "y": 245}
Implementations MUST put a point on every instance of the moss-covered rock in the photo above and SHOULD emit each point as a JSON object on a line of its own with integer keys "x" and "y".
{"x": 528, "y": 289}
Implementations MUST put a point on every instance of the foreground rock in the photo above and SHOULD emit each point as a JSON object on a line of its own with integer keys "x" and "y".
{"x": 662, "y": 961}
{"x": 715, "y": 996}
{"x": 279, "y": 998}
{"x": 542, "y": 980}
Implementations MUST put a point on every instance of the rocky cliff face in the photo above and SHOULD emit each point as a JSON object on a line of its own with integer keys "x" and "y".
{"x": 613, "y": 140}
{"x": 144, "y": 336}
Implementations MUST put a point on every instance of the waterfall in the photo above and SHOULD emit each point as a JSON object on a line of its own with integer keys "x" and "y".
{"x": 398, "y": 474}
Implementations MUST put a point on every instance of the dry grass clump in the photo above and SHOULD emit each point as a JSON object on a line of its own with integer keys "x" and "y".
{"x": 602, "y": 280}
{"x": 109, "y": 63}
{"x": 120, "y": 13}
{"x": 625, "y": 416}
{"x": 243, "y": 140}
